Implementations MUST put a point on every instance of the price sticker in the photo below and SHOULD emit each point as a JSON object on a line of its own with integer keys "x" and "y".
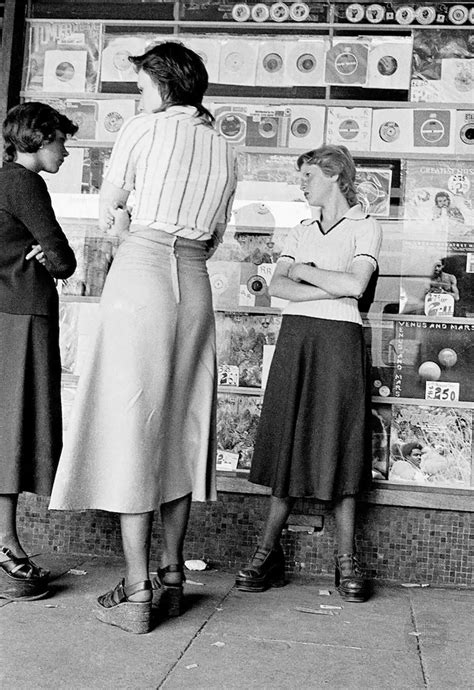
{"x": 436, "y": 390}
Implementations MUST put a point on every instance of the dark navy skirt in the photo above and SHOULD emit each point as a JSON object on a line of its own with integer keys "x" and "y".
{"x": 314, "y": 434}
{"x": 30, "y": 403}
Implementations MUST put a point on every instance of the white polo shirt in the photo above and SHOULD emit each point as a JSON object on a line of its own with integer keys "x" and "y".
{"x": 355, "y": 237}
{"x": 183, "y": 172}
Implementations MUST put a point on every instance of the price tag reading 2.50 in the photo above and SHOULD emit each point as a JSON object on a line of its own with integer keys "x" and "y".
{"x": 435, "y": 390}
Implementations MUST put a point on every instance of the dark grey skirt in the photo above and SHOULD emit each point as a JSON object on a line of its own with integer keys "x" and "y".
{"x": 313, "y": 438}
{"x": 30, "y": 403}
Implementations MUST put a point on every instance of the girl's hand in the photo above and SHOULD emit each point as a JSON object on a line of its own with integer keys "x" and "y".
{"x": 37, "y": 253}
{"x": 118, "y": 220}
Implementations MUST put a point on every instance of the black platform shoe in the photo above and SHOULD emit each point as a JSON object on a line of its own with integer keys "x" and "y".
{"x": 349, "y": 580}
{"x": 266, "y": 569}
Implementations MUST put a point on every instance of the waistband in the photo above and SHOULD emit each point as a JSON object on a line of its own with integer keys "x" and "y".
{"x": 142, "y": 234}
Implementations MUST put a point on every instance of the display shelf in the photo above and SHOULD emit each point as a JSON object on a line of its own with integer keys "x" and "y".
{"x": 240, "y": 390}
{"x": 390, "y": 400}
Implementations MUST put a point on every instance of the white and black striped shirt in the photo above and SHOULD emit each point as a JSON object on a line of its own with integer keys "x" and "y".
{"x": 182, "y": 171}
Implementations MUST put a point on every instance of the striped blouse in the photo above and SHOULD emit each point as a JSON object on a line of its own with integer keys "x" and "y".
{"x": 355, "y": 237}
{"x": 182, "y": 172}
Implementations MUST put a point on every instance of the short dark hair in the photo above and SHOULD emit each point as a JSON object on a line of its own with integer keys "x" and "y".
{"x": 28, "y": 125}
{"x": 334, "y": 160}
{"x": 408, "y": 448}
{"x": 178, "y": 72}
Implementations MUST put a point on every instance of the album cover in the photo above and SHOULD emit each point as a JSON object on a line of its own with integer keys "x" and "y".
{"x": 111, "y": 116}
{"x": 380, "y": 428}
{"x": 65, "y": 70}
{"x": 68, "y": 179}
{"x": 306, "y": 127}
{"x": 305, "y": 60}
{"x": 62, "y": 38}
{"x": 457, "y": 80}
{"x": 115, "y": 65}
{"x": 268, "y": 177}
{"x": 389, "y": 62}
{"x": 433, "y": 130}
{"x": 225, "y": 283}
{"x": 373, "y": 189}
{"x": 237, "y": 423}
{"x": 437, "y": 277}
{"x": 271, "y": 64}
{"x": 238, "y": 61}
{"x": 443, "y": 192}
{"x": 430, "y": 49}
{"x": 267, "y": 126}
{"x": 346, "y": 62}
{"x": 258, "y": 249}
{"x": 240, "y": 341}
{"x": 433, "y": 360}
{"x": 392, "y": 130}
{"x": 379, "y": 336}
{"x": 350, "y": 127}
{"x": 464, "y": 132}
{"x": 208, "y": 48}
{"x": 430, "y": 446}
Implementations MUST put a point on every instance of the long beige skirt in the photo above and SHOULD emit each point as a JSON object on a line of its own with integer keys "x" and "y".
{"x": 142, "y": 430}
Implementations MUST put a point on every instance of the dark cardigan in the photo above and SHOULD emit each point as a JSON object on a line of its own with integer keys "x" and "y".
{"x": 27, "y": 218}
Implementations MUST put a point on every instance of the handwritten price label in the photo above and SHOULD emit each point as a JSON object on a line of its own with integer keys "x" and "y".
{"x": 441, "y": 391}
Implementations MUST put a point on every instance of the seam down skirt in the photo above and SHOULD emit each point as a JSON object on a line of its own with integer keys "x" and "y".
{"x": 142, "y": 428}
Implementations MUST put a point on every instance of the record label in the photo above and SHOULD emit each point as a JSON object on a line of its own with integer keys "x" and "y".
{"x": 346, "y": 63}
{"x": 355, "y": 13}
{"x": 467, "y": 133}
{"x": 349, "y": 129}
{"x": 260, "y": 12}
{"x": 389, "y": 131}
{"x": 306, "y": 63}
{"x": 300, "y": 127}
{"x": 387, "y": 65}
{"x": 458, "y": 14}
{"x": 405, "y": 15}
{"x": 306, "y": 126}
{"x": 432, "y": 131}
{"x": 256, "y": 285}
{"x": 299, "y": 11}
{"x": 272, "y": 63}
{"x": 113, "y": 121}
{"x": 234, "y": 62}
{"x": 375, "y": 13}
{"x": 279, "y": 12}
{"x": 241, "y": 12}
{"x": 425, "y": 15}
{"x": 232, "y": 126}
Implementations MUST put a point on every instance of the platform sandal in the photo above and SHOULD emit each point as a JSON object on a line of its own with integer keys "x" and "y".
{"x": 20, "y": 578}
{"x": 115, "y": 608}
{"x": 168, "y": 596}
{"x": 350, "y": 580}
{"x": 266, "y": 569}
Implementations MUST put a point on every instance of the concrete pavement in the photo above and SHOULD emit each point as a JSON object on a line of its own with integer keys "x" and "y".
{"x": 402, "y": 638}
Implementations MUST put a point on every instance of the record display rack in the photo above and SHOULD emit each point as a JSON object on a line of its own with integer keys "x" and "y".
{"x": 394, "y": 82}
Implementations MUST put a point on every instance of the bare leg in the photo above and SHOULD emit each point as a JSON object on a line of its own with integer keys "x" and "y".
{"x": 8, "y": 529}
{"x": 345, "y": 511}
{"x": 136, "y": 533}
{"x": 174, "y": 516}
{"x": 280, "y": 508}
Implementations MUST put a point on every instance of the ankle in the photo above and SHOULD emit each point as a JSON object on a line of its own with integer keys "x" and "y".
{"x": 138, "y": 597}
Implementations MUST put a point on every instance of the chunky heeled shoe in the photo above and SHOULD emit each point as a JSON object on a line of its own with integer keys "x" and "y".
{"x": 168, "y": 590}
{"x": 20, "y": 578}
{"x": 349, "y": 579}
{"x": 115, "y": 608}
{"x": 266, "y": 569}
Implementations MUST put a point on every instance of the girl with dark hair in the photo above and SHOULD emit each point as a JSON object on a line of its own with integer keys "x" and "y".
{"x": 34, "y": 252}
{"x": 314, "y": 433}
{"x": 142, "y": 432}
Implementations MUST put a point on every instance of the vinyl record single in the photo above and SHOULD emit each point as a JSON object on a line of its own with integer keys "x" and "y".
{"x": 209, "y": 51}
{"x": 346, "y": 62}
{"x": 464, "y": 137}
{"x": 389, "y": 63}
{"x": 279, "y": 12}
{"x": 392, "y": 130}
{"x": 349, "y": 127}
{"x": 375, "y": 13}
{"x": 425, "y": 14}
{"x": 115, "y": 65}
{"x": 65, "y": 70}
{"x": 256, "y": 285}
{"x": 111, "y": 114}
{"x": 389, "y": 131}
{"x": 355, "y": 13}
{"x": 238, "y": 62}
{"x": 458, "y": 14}
{"x": 433, "y": 130}
{"x": 304, "y": 64}
{"x": 260, "y": 12}
{"x": 232, "y": 126}
{"x": 219, "y": 283}
{"x": 271, "y": 64}
{"x": 306, "y": 126}
{"x": 299, "y": 11}
{"x": 241, "y": 12}
{"x": 405, "y": 15}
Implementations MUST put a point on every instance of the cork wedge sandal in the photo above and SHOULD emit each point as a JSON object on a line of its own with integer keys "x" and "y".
{"x": 115, "y": 608}
{"x": 168, "y": 590}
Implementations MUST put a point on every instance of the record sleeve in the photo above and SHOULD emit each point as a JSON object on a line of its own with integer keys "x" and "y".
{"x": 209, "y": 50}
{"x": 240, "y": 341}
{"x": 267, "y": 126}
{"x": 254, "y": 285}
{"x": 238, "y": 62}
{"x": 65, "y": 70}
{"x": 392, "y": 130}
{"x": 430, "y": 446}
{"x": 225, "y": 283}
{"x": 373, "y": 190}
{"x": 346, "y": 62}
{"x": 432, "y": 352}
{"x": 442, "y": 192}
{"x": 115, "y": 65}
{"x": 231, "y": 122}
{"x": 433, "y": 130}
{"x": 389, "y": 62}
{"x": 84, "y": 115}
{"x": 271, "y": 64}
{"x": 305, "y": 62}
{"x": 68, "y": 37}
{"x": 437, "y": 277}
{"x": 350, "y": 127}
{"x": 306, "y": 127}
{"x": 457, "y": 81}
{"x": 464, "y": 132}
{"x": 111, "y": 116}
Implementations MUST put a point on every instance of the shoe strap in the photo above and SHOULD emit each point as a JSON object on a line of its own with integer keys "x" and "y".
{"x": 171, "y": 568}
